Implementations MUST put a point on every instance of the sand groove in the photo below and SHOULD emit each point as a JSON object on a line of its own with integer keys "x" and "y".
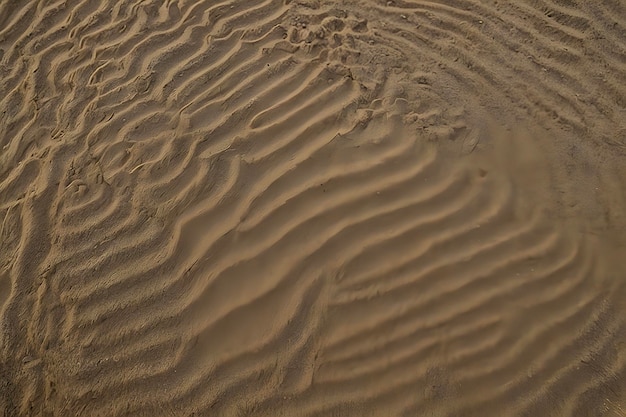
{"x": 235, "y": 208}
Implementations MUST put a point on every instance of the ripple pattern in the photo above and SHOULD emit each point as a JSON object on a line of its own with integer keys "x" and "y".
{"x": 236, "y": 208}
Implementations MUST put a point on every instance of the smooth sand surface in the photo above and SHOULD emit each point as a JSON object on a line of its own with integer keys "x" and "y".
{"x": 313, "y": 208}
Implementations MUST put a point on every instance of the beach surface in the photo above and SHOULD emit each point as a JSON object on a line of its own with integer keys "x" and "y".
{"x": 313, "y": 208}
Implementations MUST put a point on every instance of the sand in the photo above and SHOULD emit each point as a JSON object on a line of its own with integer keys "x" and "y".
{"x": 313, "y": 208}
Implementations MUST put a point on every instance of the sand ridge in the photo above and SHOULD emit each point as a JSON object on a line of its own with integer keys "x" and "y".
{"x": 302, "y": 208}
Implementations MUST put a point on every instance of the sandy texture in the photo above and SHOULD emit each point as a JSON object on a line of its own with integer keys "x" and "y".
{"x": 313, "y": 208}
